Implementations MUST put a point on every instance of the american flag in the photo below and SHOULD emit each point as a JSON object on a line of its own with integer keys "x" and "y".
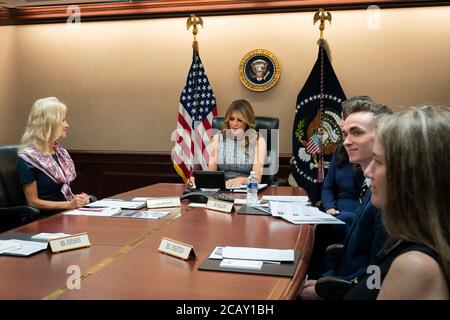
{"x": 313, "y": 145}
{"x": 197, "y": 108}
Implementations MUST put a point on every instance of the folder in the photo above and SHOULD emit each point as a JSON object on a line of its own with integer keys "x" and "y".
{"x": 25, "y": 249}
{"x": 244, "y": 209}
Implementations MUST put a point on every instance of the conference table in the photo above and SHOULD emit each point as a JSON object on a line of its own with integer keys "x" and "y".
{"x": 123, "y": 261}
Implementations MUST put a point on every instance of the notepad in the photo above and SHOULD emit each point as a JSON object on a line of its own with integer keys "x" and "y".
{"x": 241, "y": 264}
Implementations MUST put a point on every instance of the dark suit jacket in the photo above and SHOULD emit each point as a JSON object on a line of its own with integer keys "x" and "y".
{"x": 364, "y": 243}
{"x": 339, "y": 190}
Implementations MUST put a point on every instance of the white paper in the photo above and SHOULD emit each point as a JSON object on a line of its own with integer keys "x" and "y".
{"x": 21, "y": 247}
{"x": 286, "y": 198}
{"x": 261, "y": 203}
{"x": 241, "y": 264}
{"x": 47, "y": 236}
{"x": 217, "y": 253}
{"x": 150, "y": 214}
{"x": 144, "y": 199}
{"x": 244, "y": 186}
{"x": 299, "y": 213}
{"x": 116, "y": 203}
{"x": 96, "y": 212}
{"x": 197, "y": 205}
{"x": 248, "y": 253}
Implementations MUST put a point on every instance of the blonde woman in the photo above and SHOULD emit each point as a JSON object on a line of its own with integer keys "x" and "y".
{"x": 238, "y": 148}
{"x": 410, "y": 182}
{"x": 45, "y": 168}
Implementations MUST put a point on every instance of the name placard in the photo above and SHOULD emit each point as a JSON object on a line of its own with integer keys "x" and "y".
{"x": 74, "y": 241}
{"x": 218, "y": 205}
{"x": 163, "y": 202}
{"x": 177, "y": 249}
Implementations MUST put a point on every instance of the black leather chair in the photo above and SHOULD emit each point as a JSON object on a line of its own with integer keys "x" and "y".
{"x": 14, "y": 210}
{"x": 330, "y": 287}
{"x": 264, "y": 126}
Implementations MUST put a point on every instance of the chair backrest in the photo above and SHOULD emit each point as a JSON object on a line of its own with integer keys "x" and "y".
{"x": 264, "y": 126}
{"x": 11, "y": 192}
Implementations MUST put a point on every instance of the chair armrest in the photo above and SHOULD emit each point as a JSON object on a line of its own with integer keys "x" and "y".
{"x": 333, "y": 252}
{"x": 333, "y": 255}
{"x": 25, "y": 210}
{"x": 12, "y": 217}
{"x": 332, "y": 288}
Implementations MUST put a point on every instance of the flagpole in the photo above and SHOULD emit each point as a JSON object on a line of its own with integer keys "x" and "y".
{"x": 193, "y": 21}
{"x": 321, "y": 16}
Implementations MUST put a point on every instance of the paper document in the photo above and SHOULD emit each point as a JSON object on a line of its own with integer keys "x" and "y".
{"x": 241, "y": 264}
{"x": 197, "y": 205}
{"x": 117, "y": 203}
{"x": 286, "y": 198}
{"x": 248, "y": 253}
{"x": 141, "y": 214}
{"x": 243, "y": 187}
{"x": 97, "y": 212}
{"x": 299, "y": 213}
{"x": 20, "y": 247}
{"x": 217, "y": 253}
{"x": 142, "y": 198}
{"x": 261, "y": 203}
{"x": 48, "y": 236}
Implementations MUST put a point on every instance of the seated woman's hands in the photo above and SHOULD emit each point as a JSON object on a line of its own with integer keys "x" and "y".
{"x": 308, "y": 291}
{"x": 235, "y": 182}
{"x": 332, "y": 211}
{"x": 191, "y": 183}
{"x": 78, "y": 201}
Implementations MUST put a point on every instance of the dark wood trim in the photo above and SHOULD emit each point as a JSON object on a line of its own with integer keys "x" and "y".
{"x": 105, "y": 173}
{"x": 181, "y": 8}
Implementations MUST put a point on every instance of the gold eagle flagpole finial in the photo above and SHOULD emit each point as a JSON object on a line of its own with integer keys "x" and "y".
{"x": 193, "y": 20}
{"x": 322, "y": 16}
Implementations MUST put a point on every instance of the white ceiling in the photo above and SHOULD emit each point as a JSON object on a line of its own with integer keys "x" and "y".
{"x": 38, "y": 3}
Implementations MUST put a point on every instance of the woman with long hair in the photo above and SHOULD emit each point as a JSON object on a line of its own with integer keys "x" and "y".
{"x": 238, "y": 148}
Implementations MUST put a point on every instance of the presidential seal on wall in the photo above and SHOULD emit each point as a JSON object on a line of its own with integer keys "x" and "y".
{"x": 259, "y": 70}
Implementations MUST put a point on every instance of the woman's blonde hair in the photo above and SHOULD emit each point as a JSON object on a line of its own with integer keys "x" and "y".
{"x": 417, "y": 153}
{"x": 244, "y": 108}
{"x": 44, "y": 124}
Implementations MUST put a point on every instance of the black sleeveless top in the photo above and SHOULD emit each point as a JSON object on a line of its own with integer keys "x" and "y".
{"x": 361, "y": 291}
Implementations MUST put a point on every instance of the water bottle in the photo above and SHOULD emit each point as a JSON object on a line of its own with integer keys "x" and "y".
{"x": 252, "y": 189}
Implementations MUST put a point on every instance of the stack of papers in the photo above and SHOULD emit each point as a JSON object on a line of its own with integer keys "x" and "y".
{"x": 243, "y": 187}
{"x": 15, "y": 247}
{"x": 248, "y": 253}
{"x": 97, "y": 212}
{"x": 299, "y": 213}
{"x": 142, "y": 214}
{"x": 49, "y": 236}
{"x": 301, "y": 199}
{"x": 114, "y": 203}
{"x": 250, "y": 258}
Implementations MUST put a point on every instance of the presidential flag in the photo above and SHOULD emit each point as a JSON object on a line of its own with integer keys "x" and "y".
{"x": 316, "y": 126}
{"x": 197, "y": 108}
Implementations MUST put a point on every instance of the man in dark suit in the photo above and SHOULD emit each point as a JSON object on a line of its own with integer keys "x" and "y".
{"x": 366, "y": 237}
